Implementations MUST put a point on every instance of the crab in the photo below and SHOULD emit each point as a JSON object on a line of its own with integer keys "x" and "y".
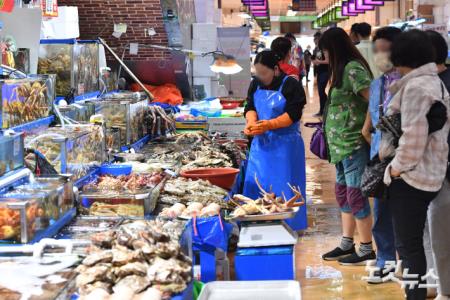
{"x": 269, "y": 203}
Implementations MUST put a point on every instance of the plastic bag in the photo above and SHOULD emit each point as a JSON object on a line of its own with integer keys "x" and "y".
{"x": 166, "y": 93}
{"x": 210, "y": 233}
{"x": 209, "y": 107}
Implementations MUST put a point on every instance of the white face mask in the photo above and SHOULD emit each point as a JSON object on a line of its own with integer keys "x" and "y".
{"x": 383, "y": 62}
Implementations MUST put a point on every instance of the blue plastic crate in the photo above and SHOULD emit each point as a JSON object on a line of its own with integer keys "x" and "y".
{"x": 265, "y": 263}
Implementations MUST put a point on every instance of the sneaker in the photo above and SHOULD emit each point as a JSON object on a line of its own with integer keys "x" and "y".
{"x": 355, "y": 260}
{"x": 338, "y": 253}
{"x": 378, "y": 277}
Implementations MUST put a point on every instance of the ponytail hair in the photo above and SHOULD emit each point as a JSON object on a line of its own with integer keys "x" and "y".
{"x": 267, "y": 58}
{"x": 281, "y": 46}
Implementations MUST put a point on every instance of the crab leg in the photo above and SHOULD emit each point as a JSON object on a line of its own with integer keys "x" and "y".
{"x": 259, "y": 185}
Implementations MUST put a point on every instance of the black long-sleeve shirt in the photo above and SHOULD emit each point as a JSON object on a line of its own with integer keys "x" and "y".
{"x": 292, "y": 90}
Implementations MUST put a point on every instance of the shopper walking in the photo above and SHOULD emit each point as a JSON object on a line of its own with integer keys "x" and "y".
{"x": 417, "y": 170}
{"x": 321, "y": 71}
{"x": 296, "y": 57}
{"x": 307, "y": 59}
{"x": 281, "y": 47}
{"x": 439, "y": 209}
{"x": 277, "y": 155}
{"x": 383, "y": 232}
{"x": 365, "y": 46}
{"x": 344, "y": 118}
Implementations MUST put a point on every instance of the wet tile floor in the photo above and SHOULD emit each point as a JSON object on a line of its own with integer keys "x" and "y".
{"x": 324, "y": 233}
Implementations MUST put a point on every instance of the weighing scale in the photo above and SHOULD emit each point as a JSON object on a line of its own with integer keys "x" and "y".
{"x": 266, "y": 247}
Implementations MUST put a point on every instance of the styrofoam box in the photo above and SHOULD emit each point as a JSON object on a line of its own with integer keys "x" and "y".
{"x": 204, "y": 45}
{"x": 246, "y": 290}
{"x": 201, "y": 67}
{"x": 204, "y": 31}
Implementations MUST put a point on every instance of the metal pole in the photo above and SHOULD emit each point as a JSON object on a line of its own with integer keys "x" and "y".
{"x": 150, "y": 95}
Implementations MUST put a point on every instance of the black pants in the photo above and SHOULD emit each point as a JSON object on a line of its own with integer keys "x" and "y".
{"x": 307, "y": 67}
{"x": 322, "y": 81}
{"x": 408, "y": 207}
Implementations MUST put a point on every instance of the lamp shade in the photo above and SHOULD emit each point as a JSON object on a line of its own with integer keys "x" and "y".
{"x": 225, "y": 64}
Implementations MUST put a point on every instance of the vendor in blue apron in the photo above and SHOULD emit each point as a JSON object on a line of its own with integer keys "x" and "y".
{"x": 277, "y": 153}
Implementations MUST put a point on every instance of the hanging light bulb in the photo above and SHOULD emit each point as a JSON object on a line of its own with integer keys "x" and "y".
{"x": 225, "y": 64}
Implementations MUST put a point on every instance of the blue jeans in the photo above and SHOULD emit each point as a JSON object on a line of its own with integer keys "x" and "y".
{"x": 348, "y": 183}
{"x": 383, "y": 232}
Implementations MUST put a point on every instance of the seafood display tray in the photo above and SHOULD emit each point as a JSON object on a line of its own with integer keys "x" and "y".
{"x": 269, "y": 217}
{"x": 243, "y": 290}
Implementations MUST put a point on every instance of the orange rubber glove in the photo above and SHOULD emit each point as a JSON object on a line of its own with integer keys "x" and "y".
{"x": 280, "y": 122}
{"x": 252, "y": 118}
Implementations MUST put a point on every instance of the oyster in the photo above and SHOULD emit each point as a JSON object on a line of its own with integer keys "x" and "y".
{"x": 98, "y": 257}
{"x": 122, "y": 255}
{"x": 135, "y": 282}
{"x": 138, "y": 254}
{"x": 135, "y": 268}
{"x": 103, "y": 239}
{"x": 89, "y": 288}
{"x": 95, "y": 273}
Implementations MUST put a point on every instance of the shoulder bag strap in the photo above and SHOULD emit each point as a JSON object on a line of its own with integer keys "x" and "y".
{"x": 381, "y": 105}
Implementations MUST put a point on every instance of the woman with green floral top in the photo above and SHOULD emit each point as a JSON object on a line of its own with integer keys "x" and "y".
{"x": 344, "y": 119}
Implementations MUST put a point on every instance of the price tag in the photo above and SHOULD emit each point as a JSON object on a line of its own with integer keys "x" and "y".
{"x": 134, "y": 48}
{"x": 120, "y": 27}
{"x": 117, "y": 34}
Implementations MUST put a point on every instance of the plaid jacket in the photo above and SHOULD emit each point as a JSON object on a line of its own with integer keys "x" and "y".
{"x": 421, "y": 158}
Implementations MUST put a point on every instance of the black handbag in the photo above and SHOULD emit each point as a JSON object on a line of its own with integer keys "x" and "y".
{"x": 372, "y": 184}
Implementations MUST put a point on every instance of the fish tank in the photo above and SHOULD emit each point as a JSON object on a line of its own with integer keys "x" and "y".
{"x": 26, "y": 100}
{"x": 120, "y": 204}
{"x": 33, "y": 207}
{"x": 86, "y": 71}
{"x": 18, "y": 218}
{"x": 11, "y": 153}
{"x": 74, "y": 149}
{"x": 113, "y": 137}
{"x": 78, "y": 112}
{"x": 126, "y": 111}
{"x": 75, "y": 63}
{"x": 56, "y": 57}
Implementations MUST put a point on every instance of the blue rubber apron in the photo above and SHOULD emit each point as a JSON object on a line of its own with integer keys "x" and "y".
{"x": 277, "y": 157}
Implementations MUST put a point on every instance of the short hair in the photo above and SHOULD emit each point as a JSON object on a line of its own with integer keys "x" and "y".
{"x": 440, "y": 46}
{"x": 281, "y": 46}
{"x": 387, "y": 33}
{"x": 289, "y": 36}
{"x": 267, "y": 58}
{"x": 412, "y": 49}
{"x": 363, "y": 29}
{"x": 353, "y": 28}
{"x": 318, "y": 34}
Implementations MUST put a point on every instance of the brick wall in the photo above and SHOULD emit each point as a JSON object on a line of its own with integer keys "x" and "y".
{"x": 96, "y": 18}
